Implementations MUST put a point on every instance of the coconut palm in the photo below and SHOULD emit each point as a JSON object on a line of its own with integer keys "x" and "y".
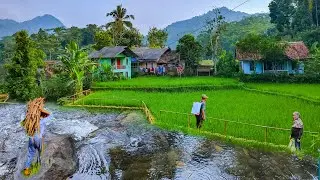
{"x": 76, "y": 63}
{"x": 120, "y": 23}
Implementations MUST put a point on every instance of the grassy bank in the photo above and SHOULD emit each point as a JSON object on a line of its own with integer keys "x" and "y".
{"x": 310, "y": 91}
{"x": 234, "y": 105}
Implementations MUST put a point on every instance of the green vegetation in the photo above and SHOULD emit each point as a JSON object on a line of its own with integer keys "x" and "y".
{"x": 22, "y": 69}
{"x": 311, "y": 91}
{"x": 157, "y": 38}
{"x": 190, "y": 50}
{"x": 153, "y": 82}
{"x": 234, "y": 105}
{"x": 76, "y": 63}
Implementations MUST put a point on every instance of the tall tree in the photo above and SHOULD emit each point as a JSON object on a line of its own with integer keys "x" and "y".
{"x": 76, "y": 63}
{"x": 48, "y": 43}
{"x": 190, "y": 50}
{"x": 157, "y": 38}
{"x": 131, "y": 38}
{"x": 22, "y": 69}
{"x": 120, "y": 23}
{"x": 88, "y": 34}
{"x": 281, "y": 12}
{"x": 313, "y": 65}
{"x": 215, "y": 27}
{"x": 102, "y": 39}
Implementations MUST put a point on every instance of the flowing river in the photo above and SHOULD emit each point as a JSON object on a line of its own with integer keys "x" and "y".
{"x": 122, "y": 145}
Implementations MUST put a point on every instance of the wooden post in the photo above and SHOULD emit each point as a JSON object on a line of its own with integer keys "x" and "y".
{"x": 266, "y": 134}
{"x": 188, "y": 120}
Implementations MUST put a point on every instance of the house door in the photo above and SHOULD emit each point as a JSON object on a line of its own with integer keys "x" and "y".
{"x": 118, "y": 64}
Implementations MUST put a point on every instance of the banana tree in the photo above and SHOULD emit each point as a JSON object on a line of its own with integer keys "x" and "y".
{"x": 76, "y": 63}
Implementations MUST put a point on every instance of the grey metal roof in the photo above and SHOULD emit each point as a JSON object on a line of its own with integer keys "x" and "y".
{"x": 110, "y": 52}
{"x": 150, "y": 54}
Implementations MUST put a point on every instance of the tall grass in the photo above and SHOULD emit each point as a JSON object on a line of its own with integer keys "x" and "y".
{"x": 235, "y": 105}
{"x": 159, "y": 82}
{"x": 311, "y": 91}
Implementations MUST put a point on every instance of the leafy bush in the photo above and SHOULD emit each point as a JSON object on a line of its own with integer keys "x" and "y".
{"x": 227, "y": 65}
{"x": 58, "y": 86}
{"x": 280, "y": 78}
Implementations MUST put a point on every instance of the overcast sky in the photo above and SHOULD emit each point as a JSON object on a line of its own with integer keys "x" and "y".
{"x": 148, "y": 13}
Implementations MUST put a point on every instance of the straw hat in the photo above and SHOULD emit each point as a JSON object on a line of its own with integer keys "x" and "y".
{"x": 204, "y": 96}
{"x": 45, "y": 112}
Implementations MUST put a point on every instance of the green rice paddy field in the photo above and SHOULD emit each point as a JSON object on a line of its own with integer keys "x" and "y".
{"x": 311, "y": 91}
{"x": 167, "y": 82}
{"x": 235, "y": 105}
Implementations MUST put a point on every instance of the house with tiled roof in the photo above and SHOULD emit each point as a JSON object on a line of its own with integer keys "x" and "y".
{"x": 149, "y": 59}
{"x": 295, "y": 54}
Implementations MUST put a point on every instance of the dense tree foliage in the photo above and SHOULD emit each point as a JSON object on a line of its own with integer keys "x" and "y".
{"x": 227, "y": 65}
{"x": 293, "y": 16}
{"x": 313, "y": 65}
{"x": 102, "y": 39}
{"x": 234, "y": 31}
{"x": 157, "y": 38}
{"x": 190, "y": 50}
{"x": 21, "y": 80}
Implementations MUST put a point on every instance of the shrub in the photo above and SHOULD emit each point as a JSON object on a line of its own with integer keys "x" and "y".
{"x": 58, "y": 86}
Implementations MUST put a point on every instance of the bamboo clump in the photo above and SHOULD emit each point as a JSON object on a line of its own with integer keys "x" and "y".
{"x": 32, "y": 121}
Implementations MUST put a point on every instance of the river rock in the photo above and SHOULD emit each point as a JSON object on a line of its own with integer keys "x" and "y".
{"x": 57, "y": 161}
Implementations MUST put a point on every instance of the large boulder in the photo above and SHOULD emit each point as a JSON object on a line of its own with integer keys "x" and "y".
{"x": 58, "y": 160}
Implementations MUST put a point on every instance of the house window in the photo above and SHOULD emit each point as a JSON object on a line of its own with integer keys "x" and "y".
{"x": 127, "y": 63}
{"x": 251, "y": 65}
{"x": 134, "y": 65}
{"x": 279, "y": 66}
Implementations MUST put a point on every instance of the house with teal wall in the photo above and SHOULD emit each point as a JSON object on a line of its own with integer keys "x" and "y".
{"x": 118, "y": 57}
{"x": 293, "y": 62}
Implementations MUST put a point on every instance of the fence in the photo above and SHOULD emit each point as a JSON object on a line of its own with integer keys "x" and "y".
{"x": 257, "y": 129}
{"x": 76, "y": 96}
{"x": 115, "y": 103}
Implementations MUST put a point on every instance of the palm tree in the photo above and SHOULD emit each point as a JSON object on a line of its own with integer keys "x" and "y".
{"x": 120, "y": 23}
{"x": 76, "y": 62}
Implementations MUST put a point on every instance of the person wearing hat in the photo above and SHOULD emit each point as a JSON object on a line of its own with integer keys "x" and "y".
{"x": 202, "y": 115}
{"x": 35, "y": 142}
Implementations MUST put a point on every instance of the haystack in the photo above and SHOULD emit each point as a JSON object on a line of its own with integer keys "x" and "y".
{"x": 32, "y": 121}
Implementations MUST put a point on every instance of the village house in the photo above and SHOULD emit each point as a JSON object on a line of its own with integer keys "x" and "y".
{"x": 205, "y": 66}
{"x": 293, "y": 63}
{"x": 149, "y": 59}
{"x": 119, "y": 57}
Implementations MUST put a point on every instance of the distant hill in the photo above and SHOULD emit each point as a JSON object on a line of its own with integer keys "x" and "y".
{"x": 196, "y": 24}
{"x": 9, "y": 27}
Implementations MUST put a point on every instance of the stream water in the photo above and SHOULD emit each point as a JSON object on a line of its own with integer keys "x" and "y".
{"x": 122, "y": 145}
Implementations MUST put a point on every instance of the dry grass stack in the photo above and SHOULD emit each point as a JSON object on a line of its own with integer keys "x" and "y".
{"x": 32, "y": 121}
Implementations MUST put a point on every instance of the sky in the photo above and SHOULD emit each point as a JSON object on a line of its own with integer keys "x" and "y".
{"x": 148, "y": 13}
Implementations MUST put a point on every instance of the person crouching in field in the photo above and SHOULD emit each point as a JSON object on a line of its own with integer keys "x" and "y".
{"x": 297, "y": 130}
{"x": 202, "y": 115}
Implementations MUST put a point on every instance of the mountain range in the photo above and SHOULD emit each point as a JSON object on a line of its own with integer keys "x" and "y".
{"x": 175, "y": 31}
{"x": 196, "y": 24}
{"x": 9, "y": 27}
